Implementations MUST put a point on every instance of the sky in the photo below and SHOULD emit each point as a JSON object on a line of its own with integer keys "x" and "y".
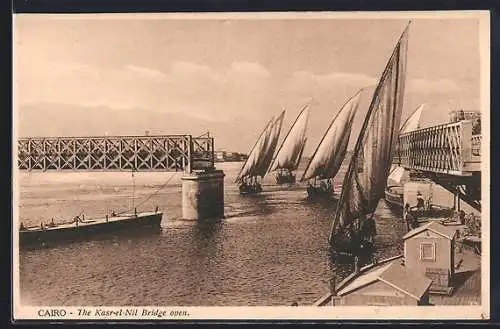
{"x": 91, "y": 75}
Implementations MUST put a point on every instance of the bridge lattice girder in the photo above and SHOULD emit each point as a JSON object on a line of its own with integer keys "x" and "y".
{"x": 449, "y": 155}
{"x": 116, "y": 153}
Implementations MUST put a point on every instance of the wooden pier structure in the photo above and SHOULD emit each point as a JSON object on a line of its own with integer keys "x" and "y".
{"x": 449, "y": 154}
{"x": 116, "y": 153}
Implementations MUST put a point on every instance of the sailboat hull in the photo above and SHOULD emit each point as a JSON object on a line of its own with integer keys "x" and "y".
{"x": 318, "y": 192}
{"x": 344, "y": 244}
{"x": 285, "y": 179}
{"x": 250, "y": 189}
{"x": 394, "y": 197}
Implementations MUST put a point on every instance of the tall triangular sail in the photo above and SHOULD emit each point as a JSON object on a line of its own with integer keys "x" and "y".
{"x": 365, "y": 182}
{"x": 256, "y": 153}
{"x": 270, "y": 147}
{"x": 331, "y": 151}
{"x": 290, "y": 151}
{"x": 413, "y": 121}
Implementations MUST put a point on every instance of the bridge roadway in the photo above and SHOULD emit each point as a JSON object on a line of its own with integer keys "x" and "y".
{"x": 449, "y": 155}
{"x": 116, "y": 153}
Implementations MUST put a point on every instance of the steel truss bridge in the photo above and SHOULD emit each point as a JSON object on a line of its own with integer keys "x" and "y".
{"x": 116, "y": 153}
{"x": 449, "y": 155}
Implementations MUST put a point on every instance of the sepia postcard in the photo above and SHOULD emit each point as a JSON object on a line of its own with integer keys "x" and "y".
{"x": 238, "y": 166}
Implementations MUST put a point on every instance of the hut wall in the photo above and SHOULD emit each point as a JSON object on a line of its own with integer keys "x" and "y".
{"x": 439, "y": 268}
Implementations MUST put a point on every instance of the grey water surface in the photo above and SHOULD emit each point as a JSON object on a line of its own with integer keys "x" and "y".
{"x": 270, "y": 249}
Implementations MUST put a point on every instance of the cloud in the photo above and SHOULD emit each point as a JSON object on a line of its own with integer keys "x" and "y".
{"x": 185, "y": 86}
{"x": 189, "y": 70}
{"x": 250, "y": 69}
{"x": 146, "y": 72}
{"x": 426, "y": 86}
{"x": 334, "y": 78}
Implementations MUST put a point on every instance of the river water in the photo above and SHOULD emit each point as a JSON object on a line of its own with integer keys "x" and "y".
{"x": 271, "y": 249}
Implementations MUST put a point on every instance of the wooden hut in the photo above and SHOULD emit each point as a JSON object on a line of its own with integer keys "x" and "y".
{"x": 429, "y": 250}
{"x": 389, "y": 284}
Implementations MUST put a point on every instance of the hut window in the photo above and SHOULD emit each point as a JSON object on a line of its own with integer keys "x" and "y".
{"x": 427, "y": 251}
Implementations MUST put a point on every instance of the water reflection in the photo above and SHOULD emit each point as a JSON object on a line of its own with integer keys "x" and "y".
{"x": 270, "y": 249}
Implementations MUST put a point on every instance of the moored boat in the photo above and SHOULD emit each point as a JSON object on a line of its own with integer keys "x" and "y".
{"x": 79, "y": 228}
{"x": 394, "y": 196}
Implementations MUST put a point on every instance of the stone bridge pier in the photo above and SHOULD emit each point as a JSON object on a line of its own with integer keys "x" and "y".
{"x": 203, "y": 195}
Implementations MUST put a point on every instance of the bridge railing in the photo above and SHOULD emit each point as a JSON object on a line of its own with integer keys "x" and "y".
{"x": 448, "y": 148}
{"x": 476, "y": 145}
{"x": 120, "y": 153}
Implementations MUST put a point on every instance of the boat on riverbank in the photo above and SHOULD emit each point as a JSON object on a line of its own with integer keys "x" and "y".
{"x": 79, "y": 228}
{"x": 394, "y": 196}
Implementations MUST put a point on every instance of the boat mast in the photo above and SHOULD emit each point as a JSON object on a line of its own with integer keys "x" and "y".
{"x": 288, "y": 133}
{"x": 133, "y": 189}
{"x": 361, "y": 136}
{"x": 326, "y": 133}
{"x": 238, "y": 178}
{"x": 272, "y": 142}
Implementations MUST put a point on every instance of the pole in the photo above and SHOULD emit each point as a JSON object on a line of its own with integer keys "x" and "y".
{"x": 133, "y": 189}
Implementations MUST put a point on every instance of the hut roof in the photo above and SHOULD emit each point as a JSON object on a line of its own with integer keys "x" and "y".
{"x": 394, "y": 275}
{"x": 434, "y": 227}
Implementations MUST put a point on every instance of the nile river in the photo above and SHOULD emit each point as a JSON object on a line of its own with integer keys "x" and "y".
{"x": 271, "y": 249}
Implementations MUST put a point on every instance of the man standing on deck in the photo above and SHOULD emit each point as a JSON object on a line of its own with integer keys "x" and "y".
{"x": 368, "y": 229}
{"x": 323, "y": 186}
{"x": 407, "y": 216}
{"x": 420, "y": 201}
{"x": 461, "y": 115}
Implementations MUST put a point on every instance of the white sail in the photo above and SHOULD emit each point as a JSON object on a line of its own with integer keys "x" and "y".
{"x": 331, "y": 151}
{"x": 396, "y": 176}
{"x": 365, "y": 181}
{"x": 290, "y": 151}
{"x": 256, "y": 153}
{"x": 270, "y": 146}
{"x": 413, "y": 121}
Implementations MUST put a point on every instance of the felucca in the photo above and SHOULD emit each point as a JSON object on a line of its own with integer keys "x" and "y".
{"x": 331, "y": 151}
{"x": 413, "y": 121}
{"x": 290, "y": 152}
{"x": 394, "y": 192}
{"x": 260, "y": 157}
{"x": 353, "y": 227}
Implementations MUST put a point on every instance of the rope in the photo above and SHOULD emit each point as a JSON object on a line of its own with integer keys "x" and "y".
{"x": 150, "y": 196}
{"x": 128, "y": 210}
{"x": 74, "y": 218}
